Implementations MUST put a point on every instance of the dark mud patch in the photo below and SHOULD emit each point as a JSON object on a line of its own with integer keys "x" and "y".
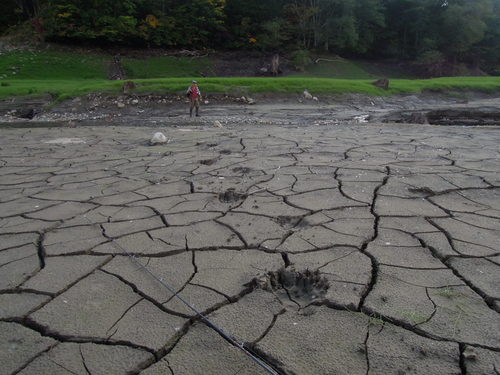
{"x": 484, "y": 116}
{"x": 299, "y": 285}
{"x": 231, "y": 196}
{"x": 288, "y": 221}
{"x": 242, "y": 170}
{"x": 208, "y": 161}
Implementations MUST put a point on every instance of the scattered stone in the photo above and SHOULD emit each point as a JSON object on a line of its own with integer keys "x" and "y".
{"x": 307, "y": 95}
{"x": 470, "y": 354}
{"x": 158, "y": 138}
{"x": 120, "y": 105}
{"x": 218, "y": 124}
{"x": 135, "y": 101}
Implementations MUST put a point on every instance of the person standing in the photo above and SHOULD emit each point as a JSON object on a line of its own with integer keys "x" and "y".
{"x": 194, "y": 95}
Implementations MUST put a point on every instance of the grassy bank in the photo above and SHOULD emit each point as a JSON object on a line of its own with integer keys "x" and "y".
{"x": 67, "y": 74}
{"x": 64, "y": 88}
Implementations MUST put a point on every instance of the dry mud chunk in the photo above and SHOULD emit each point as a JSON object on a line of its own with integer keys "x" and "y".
{"x": 229, "y": 271}
{"x": 455, "y": 201}
{"x": 79, "y": 192}
{"x": 394, "y": 350}
{"x": 138, "y": 243}
{"x": 411, "y": 257}
{"x": 202, "y": 235}
{"x": 402, "y": 294}
{"x": 322, "y": 200}
{"x": 341, "y": 232}
{"x": 72, "y": 240}
{"x": 471, "y": 239}
{"x": 118, "y": 229}
{"x": 18, "y": 224}
{"x": 23, "y": 206}
{"x": 482, "y": 273}
{"x": 19, "y": 345}
{"x": 218, "y": 184}
{"x": 254, "y": 229}
{"x": 17, "y": 265}
{"x": 202, "y": 351}
{"x": 199, "y": 297}
{"x": 395, "y": 206}
{"x": 480, "y": 361}
{"x": 269, "y": 206}
{"x": 415, "y": 224}
{"x": 165, "y": 190}
{"x": 347, "y": 271}
{"x": 360, "y": 191}
{"x": 19, "y": 304}
{"x": 248, "y": 318}
{"x": 438, "y": 242}
{"x": 62, "y": 211}
{"x": 328, "y": 341}
{"x": 463, "y": 316}
{"x": 188, "y": 218}
{"x": 123, "y": 315}
{"x": 61, "y": 272}
{"x": 119, "y": 199}
{"x": 69, "y": 358}
{"x": 8, "y": 241}
{"x": 310, "y": 182}
{"x": 175, "y": 269}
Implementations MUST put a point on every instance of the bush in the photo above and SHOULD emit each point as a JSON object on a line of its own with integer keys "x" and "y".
{"x": 300, "y": 59}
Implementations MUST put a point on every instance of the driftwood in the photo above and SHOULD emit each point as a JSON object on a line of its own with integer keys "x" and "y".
{"x": 329, "y": 60}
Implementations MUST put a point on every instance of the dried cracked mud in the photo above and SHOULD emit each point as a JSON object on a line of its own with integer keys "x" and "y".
{"x": 322, "y": 250}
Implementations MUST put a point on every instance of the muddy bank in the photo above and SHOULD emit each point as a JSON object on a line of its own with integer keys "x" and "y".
{"x": 471, "y": 109}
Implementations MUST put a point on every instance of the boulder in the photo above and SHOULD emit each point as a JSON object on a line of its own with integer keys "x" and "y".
{"x": 383, "y": 83}
{"x": 158, "y": 138}
{"x": 128, "y": 87}
{"x": 307, "y": 95}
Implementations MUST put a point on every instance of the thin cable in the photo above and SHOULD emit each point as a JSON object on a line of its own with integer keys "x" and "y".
{"x": 228, "y": 338}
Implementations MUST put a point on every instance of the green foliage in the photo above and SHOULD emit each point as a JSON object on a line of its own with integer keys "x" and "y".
{"x": 464, "y": 31}
{"x": 301, "y": 59}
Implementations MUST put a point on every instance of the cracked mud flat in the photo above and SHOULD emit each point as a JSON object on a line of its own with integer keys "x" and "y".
{"x": 325, "y": 250}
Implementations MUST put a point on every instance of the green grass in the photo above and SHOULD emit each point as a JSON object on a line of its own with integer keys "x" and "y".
{"x": 349, "y": 69}
{"x": 67, "y": 74}
{"x": 62, "y": 89}
{"x": 52, "y": 65}
{"x": 167, "y": 66}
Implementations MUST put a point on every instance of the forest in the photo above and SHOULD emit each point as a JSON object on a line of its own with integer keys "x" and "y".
{"x": 438, "y": 33}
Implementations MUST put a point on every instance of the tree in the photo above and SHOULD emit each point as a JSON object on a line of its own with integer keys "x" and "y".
{"x": 463, "y": 23}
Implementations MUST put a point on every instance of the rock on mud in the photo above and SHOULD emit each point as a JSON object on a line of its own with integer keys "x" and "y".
{"x": 158, "y": 138}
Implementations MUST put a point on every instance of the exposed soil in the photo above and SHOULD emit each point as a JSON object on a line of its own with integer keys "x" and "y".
{"x": 469, "y": 109}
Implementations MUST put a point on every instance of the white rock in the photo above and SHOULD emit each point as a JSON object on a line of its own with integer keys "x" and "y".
{"x": 315, "y": 98}
{"x": 135, "y": 101}
{"x": 120, "y": 105}
{"x": 206, "y": 102}
{"x": 218, "y": 124}
{"x": 65, "y": 141}
{"x": 158, "y": 138}
{"x": 307, "y": 94}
